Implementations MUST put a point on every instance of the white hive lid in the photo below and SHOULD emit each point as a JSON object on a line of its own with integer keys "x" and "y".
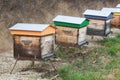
{"x": 111, "y": 9}
{"x": 29, "y": 27}
{"x": 118, "y": 6}
{"x": 97, "y": 13}
{"x": 69, "y": 19}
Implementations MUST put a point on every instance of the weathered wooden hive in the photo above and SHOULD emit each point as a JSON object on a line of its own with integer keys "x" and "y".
{"x": 70, "y": 30}
{"x": 99, "y": 22}
{"x": 115, "y": 22}
{"x": 33, "y": 41}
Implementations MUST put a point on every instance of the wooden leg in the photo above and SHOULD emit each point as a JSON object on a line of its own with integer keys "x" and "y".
{"x": 83, "y": 57}
{"x": 13, "y": 66}
{"x": 53, "y": 66}
{"x": 32, "y": 65}
{"x": 92, "y": 37}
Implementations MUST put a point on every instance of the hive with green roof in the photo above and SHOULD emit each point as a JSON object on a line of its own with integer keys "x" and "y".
{"x": 71, "y": 30}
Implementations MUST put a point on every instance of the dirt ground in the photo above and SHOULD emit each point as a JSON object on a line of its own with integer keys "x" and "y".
{"x": 23, "y": 69}
{"x": 6, "y": 64}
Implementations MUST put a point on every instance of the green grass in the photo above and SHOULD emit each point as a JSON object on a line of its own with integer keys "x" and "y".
{"x": 100, "y": 63}
{"x": 112, "y": 45}
{"x": 65, "y": 52}
{"x": 69, "y": 73}
{"x": 113, "y": 64}
{"x": 60, "y": 53}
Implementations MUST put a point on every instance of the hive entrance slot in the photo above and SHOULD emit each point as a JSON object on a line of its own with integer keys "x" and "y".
{"x": 26, "y": 42}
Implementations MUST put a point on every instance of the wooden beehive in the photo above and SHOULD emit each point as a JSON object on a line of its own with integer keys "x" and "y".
{"x": 118, "y": 6}
{"x": 33, "y": 41}
{"x": 99, "y": 22}
{"x": 70, "y": 30}
{"x": 115, "y": 22}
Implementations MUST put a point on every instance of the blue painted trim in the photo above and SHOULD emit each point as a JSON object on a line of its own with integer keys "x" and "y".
{"x": 98, "y": 17}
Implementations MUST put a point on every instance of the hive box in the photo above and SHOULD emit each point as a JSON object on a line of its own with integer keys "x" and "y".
{"x": 118, "y": 6}
{"x": 33, "y": 41}
{"x": 115, "y": 22}
{"x": 99, "y": 22}
{"x": 70, "y": 30}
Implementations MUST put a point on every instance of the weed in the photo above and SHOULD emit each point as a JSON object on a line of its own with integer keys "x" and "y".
{"x": 111, "y": 45}
{"x": 71, "y": 50}
{"x": 67, "y": 73}
{"x": 70, "y": 73}
{"x": 118, "y": 78}
{"x": 113, "y": 64}
{"x": 60, "y": 53}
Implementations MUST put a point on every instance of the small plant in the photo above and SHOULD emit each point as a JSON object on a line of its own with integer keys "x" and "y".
{"x": 112, "y": 51}
{"x": 118, "y": 78}
{"x": 71, "y": 50}
{"x": 60, "y": 53}
{"x": 70, "y": 73}
{"x": 113, "y": 64}
{"x": 112, "y": 45}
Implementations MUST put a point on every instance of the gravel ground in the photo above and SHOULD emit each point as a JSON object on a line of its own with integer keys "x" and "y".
{"x": 6, "y": 64}
{"x": 23, "y": 71}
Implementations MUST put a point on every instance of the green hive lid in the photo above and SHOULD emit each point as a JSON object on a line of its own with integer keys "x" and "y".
{"x": 69, "y": 21}
{"x": 118, "y": 6}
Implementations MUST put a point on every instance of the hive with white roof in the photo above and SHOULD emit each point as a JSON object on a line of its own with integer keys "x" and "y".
{"x": 31, "y": 41}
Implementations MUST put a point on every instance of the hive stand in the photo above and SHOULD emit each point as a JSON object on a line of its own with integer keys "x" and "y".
{"x": 46, "y": 58}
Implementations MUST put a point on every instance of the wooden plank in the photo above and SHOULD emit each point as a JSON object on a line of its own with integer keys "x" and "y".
{"x": 82, "y": 34}
{"x": 47, "y": 31}
{"x": 96, "y": 24}
{"x": 94, "y": 21}
{"x": 67, "y": 31}
{"x": 107, "y": 29}
{"x": 94, "y": 31}
{"x": 27, "y": 47}
{"x": 66, "y": 39}
{"x": 96, "y": 27}
{"x": 116, "y": 13}
{"x": 116, "y": 21}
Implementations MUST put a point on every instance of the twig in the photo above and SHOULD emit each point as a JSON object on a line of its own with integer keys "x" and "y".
{"x": 54, "y": 77}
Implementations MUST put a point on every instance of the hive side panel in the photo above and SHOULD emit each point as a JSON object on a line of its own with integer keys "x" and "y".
{"x": 66, "y": 39}
{"x": 108, "y": 29}
{"x": 115, "y": 21}
{"x": 82, "y": 34}
{"x": 99, "y": 24}
{"x": 26, "y": 47}
{"x": 47, "y": 45}
{"x": 29, "y": 33}
{"x": 66, "y": 35}
{"x": 96, "y": 27}
{"x": 66, "y": 31}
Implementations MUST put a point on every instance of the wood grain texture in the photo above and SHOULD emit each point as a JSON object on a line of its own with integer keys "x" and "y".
{"x": 116, "y": 21}
{"x": 49, "y": 30}
{"x": 27, "y": 47}
{"x": 66, "y": 39}
{"x": 67, "y": 31}
{"x": 47, "y": 45}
